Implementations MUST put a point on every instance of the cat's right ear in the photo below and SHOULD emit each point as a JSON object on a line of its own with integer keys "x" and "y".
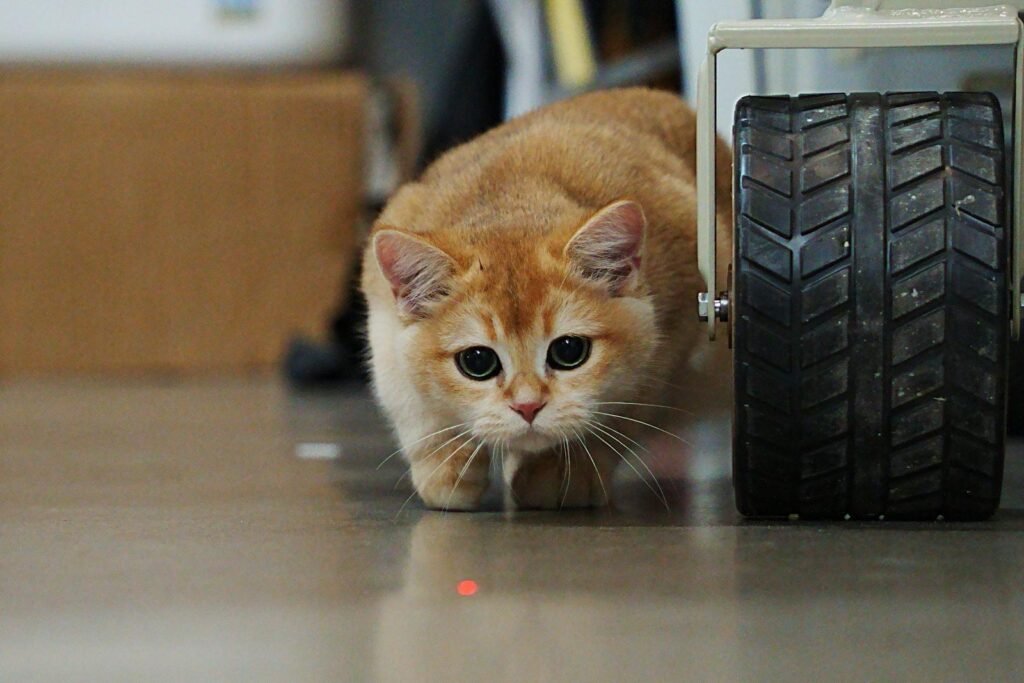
{"x": 608, "y": 248}
{"x": 419, "y": 273}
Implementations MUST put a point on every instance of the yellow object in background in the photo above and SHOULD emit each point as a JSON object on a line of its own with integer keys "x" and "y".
{"x": 571, "y": 48}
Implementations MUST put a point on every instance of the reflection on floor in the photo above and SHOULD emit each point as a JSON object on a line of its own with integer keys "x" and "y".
{"x": 169, "y": 531}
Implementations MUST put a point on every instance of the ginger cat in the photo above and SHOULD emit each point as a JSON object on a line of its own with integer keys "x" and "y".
{"x": 531, "y": 289}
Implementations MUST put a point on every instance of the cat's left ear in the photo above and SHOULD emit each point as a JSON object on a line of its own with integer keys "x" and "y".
{"x": 609, "y": 246}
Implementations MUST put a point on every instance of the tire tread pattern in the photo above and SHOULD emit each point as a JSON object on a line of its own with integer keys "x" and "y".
{"x": 945, "y": 322}
{"x": 801, "y": 219}
{"x": 946, "y": 420}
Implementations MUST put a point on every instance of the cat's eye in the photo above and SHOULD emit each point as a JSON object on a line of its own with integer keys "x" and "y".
{"x": 478, "y": 362}
{"x": 568, "y": 352}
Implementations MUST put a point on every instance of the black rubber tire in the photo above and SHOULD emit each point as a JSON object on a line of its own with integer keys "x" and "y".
{"x": 870, "y": 303}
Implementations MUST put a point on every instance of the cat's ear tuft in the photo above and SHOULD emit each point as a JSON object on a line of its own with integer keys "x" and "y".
{"x": 609, "y": 246}
{"x": 419, "y": 273}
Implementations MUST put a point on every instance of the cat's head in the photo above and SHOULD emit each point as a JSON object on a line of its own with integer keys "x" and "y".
{"x": 519, "y": 336}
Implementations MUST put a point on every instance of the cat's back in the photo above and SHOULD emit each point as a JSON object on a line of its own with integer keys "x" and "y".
{"x": 649, "y": 126}
{"x": 577, "y": 154}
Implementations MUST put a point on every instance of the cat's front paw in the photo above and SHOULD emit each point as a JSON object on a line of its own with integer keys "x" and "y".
{"x": 553, "y": 483}
{"x": 451, "y": 482}
{"x": 464, "y": 497}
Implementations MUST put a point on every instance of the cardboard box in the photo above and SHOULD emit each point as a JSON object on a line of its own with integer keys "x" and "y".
{"x": 173, "y": 221}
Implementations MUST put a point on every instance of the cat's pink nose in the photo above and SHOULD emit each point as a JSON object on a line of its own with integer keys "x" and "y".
{"x": 527, "y": 411}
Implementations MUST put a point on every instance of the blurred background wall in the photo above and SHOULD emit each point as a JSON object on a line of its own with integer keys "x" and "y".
{"x": 185, "y": 183}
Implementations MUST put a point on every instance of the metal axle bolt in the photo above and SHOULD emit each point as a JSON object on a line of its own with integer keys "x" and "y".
{"x": 720, "y": 305}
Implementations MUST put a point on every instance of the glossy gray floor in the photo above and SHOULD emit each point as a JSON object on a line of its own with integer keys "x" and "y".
{"x": 169, "y": 531}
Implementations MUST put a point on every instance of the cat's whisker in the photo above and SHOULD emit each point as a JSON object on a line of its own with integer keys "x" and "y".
{"x": 648, "y": 405}
{"x": 610, "y": 431}
{"x": 462, "y": 473}
{"x": 664, "y": 382}
{"x": 597, "y": 471}
{"x": 405, "y": 474}
{"x": 659, "y": 494}
{"x": 457, "y": 436}
{"x": 439, "y": 466}
{"x": 421, "y": 439}
{"x": 567, "y": 480}
{"x": 610, "y": 434}
{"x": 646, "y": 424}
{"x": 503, "y": 447}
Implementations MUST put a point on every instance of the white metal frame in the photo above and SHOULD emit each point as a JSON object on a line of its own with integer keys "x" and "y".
{"x": 853, "y": 24}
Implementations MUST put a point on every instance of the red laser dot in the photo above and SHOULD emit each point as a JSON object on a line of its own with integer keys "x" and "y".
{"x": 466, "y": 588}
